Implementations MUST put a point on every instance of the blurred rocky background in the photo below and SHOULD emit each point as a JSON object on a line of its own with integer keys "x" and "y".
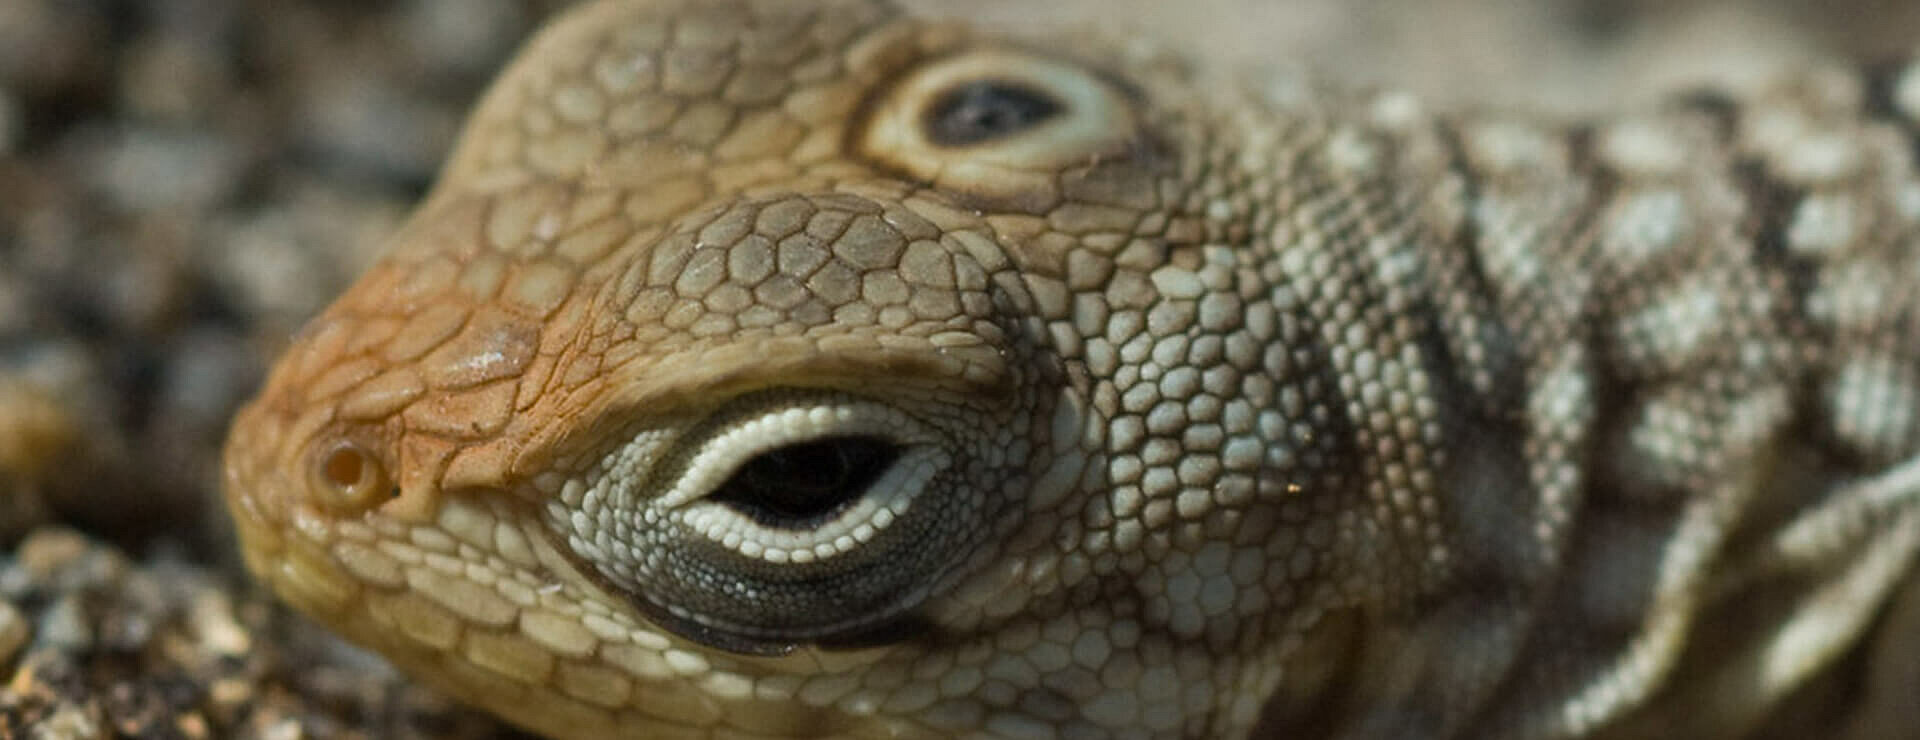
{"x": 183, "y": 182}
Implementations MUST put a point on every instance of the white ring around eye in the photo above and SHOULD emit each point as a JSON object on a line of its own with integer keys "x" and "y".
{"x": 1096, "y": 120}
{"x": 885, "y": 500}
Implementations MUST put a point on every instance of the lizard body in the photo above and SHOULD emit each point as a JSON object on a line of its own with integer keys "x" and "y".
{"x": 768, "y": 369}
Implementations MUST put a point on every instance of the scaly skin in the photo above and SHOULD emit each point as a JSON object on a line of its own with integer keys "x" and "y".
{"x": 772, "y": 369}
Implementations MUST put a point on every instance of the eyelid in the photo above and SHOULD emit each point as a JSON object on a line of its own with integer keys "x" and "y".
{"x": 687, "y": 382}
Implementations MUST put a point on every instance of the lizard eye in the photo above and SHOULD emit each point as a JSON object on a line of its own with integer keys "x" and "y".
{"x": 985, "y": 110}
{"x": 1000, "y": 126}
{"x": 805, "y": 484}
{"x": 785, "y": 516}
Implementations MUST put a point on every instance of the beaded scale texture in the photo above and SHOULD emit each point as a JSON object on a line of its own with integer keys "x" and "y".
{"x": 771, "y": 369}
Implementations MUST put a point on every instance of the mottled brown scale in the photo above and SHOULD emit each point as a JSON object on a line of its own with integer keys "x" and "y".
{"x": 1129, "y": 399}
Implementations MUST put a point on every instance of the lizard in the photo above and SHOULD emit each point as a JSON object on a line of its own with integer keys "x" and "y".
{"x": 765, "y": 369}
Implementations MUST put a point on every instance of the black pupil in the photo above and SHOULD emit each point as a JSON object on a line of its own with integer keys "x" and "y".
{"x": 802, "y": 485}
{"x": 985, "y": 110}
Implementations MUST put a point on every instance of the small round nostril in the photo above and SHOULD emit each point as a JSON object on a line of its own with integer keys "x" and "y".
{"x": 350, "y": 474}
{"x": 344, "y": 467}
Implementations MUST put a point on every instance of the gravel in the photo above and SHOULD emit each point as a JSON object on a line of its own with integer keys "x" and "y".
{"x": 181, "y": 185}
{"x": 102, "y": 646}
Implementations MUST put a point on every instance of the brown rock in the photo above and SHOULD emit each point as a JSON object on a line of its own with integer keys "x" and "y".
{"x": 14, "y": 632}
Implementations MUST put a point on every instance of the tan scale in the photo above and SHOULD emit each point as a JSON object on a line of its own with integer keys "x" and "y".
{"x": 770, "y": 369}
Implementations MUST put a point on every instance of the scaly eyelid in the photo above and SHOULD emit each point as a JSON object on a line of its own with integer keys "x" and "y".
{"x": 692, "y": 384}
{"x": 700, "y": 378}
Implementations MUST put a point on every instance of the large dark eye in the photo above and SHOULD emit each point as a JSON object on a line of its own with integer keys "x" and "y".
{"x": 801, "y": 485}
{"x": 784, "y": 517}
{"x": 986, "y": 110}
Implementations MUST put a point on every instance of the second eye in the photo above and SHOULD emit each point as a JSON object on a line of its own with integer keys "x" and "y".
{"x": 985, "y": 110}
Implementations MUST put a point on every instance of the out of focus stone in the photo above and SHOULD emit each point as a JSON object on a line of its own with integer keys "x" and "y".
{"x": 16, "y": 311}
{"x": 9, "y": 122}
{"x": 77, "y": 470}
{"x": 212, "y": 621}
{"x": 47, "y": 553}
{"x": 372, "y": 126}
{"x": 14, "y": 632}
{"x": 213, "y": 372}
{"x": 176, "y": 77}
{"x": 460, "y": 38}
{"x": 167, "y": 647}
{"x": 35, "y": 430}
{"x": 282, "y": 264}
{"x": 34, "y": 433}
{"x": 71, "y": 722}
{"x": 51, "y": 46}
{"x": 66, "y": 625}
{"x": 144, "y": 168}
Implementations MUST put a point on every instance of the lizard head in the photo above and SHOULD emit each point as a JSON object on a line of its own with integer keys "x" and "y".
{"x": 799, "y": 369}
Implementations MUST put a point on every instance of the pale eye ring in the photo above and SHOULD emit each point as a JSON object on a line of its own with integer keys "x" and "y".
{"x": 999, "y": 125}
{"x": 802, "y": 485}
{"x": 786, "y": 516}
{"x": 805, "y": 483}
